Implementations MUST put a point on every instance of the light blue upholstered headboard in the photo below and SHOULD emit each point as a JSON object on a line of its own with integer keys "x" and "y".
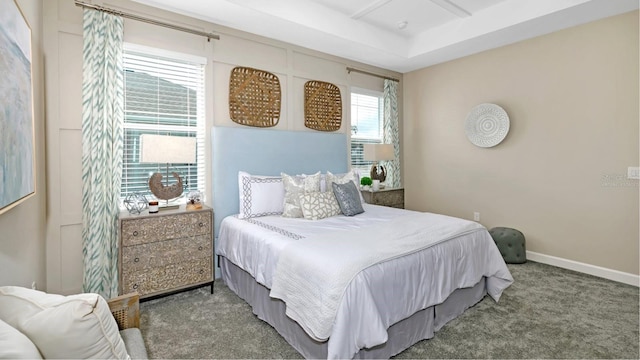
{"x": 268, "y": 152}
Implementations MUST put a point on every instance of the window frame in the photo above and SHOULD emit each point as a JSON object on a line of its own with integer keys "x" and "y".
{"x": 198, "y": 131}
{"x": 363, "y": 167}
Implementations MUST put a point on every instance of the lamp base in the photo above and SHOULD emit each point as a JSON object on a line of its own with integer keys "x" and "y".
{"x": 168, "y": 207}
{"x": 165, "y": 192}
{"x": 378, "y": 173}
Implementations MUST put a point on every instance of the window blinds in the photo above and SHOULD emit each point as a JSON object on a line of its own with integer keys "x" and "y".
{"x": 366, "y": 124}
{"x": 164, "y": 95}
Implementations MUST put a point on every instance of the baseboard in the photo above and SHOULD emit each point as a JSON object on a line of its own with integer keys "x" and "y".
{"x": 598, "y": 271}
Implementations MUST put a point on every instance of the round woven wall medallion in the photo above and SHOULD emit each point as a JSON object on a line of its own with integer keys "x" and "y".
{"x": 487, "y": 125}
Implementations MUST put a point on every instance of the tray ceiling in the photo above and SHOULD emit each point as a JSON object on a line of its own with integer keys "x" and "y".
{"x": 399, "y": 35}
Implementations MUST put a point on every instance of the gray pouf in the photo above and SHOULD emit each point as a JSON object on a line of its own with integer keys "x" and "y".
{"x": 511, "y": 244}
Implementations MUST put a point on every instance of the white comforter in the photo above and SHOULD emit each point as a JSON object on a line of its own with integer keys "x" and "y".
{"x": 312, "y": 290}
{"x": 424, "y": 278}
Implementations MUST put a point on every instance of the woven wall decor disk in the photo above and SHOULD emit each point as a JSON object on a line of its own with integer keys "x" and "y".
{"x": 254, "y": 97}
{"x": 322, "y": 106}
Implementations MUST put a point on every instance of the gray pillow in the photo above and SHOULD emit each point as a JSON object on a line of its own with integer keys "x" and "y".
{"x": 348, "y": 198}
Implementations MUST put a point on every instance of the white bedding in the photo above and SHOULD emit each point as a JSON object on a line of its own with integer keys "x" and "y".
{"x": 312, "y": 290}
{"x": 381, "y": 294}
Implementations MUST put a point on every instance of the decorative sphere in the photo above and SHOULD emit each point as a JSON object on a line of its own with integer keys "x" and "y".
{"x": 135, "y": 203}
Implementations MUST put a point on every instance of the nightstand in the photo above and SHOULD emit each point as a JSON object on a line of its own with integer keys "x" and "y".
{"x": 392, "y": 197}
{"x": 165, "y": 252}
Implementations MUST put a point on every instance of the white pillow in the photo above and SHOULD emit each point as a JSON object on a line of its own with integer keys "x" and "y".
{"x": 352, "y": 175}
{"x": 15, "y": 345}
{"x": 75, "y": 326}
{"x": 319, "y": 205}
{"x": 260, "y": 195}
{"x": 294, "y": 186}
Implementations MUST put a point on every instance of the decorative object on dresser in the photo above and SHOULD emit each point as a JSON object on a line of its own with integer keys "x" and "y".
{"x": 135, "y": 203}
{"x": 194, "y": 200}
{"x": 375, "y": 153}
{"x": 365, "y": 183}
{"x": 169, "y": 150}
{"x": 254, "y": 97}
{"x": 392, "y": 197}
{"x": 322, "y": 106}
{"x": 487, "y": 125}
{"x": 167, "y": 252}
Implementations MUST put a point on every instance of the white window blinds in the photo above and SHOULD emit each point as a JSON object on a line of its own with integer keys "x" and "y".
{"x": 366, "y": 125}
{"x": 164, "y": 95}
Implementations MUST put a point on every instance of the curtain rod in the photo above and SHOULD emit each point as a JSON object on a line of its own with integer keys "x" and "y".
{"x": 209, "y": 36}
{"x": 350, "y": 69}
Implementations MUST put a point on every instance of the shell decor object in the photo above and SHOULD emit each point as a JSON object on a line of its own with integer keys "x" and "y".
{"x": 165, "y": 192}
{"x": 487, "y": 125}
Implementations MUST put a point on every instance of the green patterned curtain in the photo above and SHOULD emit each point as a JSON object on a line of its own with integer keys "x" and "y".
{"x": 102, "y": 119}
{"x": 391, "y": 131}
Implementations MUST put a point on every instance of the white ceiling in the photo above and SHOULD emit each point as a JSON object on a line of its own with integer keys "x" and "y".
{"x": 369, "y": 31}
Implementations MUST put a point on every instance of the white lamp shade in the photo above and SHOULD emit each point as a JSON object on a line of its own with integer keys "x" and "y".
{"x": 167, "y": 149}
{"x": 378, "y": 152}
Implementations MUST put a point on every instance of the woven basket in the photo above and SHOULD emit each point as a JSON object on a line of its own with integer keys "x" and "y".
{"x": 322, "y": 106}
{"x": 254, "y": 97}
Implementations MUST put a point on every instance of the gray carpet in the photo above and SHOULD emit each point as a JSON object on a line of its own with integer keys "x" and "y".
{"x": 548, "y": 313}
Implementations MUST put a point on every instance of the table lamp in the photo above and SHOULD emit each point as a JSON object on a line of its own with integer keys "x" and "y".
{"x": 375, "y": 153}
{"x": 169, "y": 150}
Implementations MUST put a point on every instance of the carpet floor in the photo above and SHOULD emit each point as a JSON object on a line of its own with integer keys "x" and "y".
{"x": 548, "y": 313}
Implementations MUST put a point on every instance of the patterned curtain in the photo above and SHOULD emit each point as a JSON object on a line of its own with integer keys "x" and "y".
{"x": 102, "y": 119}
{"x": 392, "y": 132}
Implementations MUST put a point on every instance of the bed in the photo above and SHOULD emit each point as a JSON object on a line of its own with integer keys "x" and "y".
{"x": 377, "y": 309}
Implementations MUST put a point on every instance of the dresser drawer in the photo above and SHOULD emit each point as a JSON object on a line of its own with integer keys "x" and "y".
{"x": 388, "y": 198}
{"x": 172, "y": 276}
{"x": 153, "y": 229}
{"x": 163, "y": 253}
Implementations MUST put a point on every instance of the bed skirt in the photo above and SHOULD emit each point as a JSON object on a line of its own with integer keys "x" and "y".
{"x": 403, "y": 334}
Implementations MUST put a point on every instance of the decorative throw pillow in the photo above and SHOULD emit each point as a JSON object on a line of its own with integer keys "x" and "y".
{"x": 343, "y": 178}
{"x": 260, "y": 195}
{"x": 16, "y": 345}
{"x": 71, "y": 327}
{"x": 348, "y": 197}
{"x": 319, "y": 205}
{"x": 294, "y": 186}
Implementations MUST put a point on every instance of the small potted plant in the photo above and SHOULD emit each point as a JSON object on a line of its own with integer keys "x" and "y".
{"x": 366, "y": 182}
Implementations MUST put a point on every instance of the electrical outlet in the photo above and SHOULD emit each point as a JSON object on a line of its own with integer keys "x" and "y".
{"x": 33, "y": 286}
{"x": 476, "y": 216}
{"x": 633, "y": 172}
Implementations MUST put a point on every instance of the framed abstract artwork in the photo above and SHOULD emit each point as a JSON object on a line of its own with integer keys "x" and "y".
{"x": 17, "y": 147}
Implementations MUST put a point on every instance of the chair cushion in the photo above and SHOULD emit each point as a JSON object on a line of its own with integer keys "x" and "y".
{"x": 134, "y": 343}
{"x": 16, "y": 345}
{"x": 75, "y": 326}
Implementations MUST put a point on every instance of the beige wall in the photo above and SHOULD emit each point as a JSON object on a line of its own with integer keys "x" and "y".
{"x": 63, "y": 50}
{"x": 560, "y": 174}
{"x": 22, "y": 229}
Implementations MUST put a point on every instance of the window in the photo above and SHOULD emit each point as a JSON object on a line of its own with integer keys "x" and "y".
{"x": 164, "y": 95}
{"x": 367, "y": 112}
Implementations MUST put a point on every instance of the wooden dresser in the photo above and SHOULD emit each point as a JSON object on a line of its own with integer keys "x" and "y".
{"x": 165, "y": 252}
{"x": 392, "y": 197}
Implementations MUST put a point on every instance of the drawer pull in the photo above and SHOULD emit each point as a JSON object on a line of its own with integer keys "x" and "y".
{"x": 136, "y": 259}
{"x": 201, "y": 224}
{"x": 201, "y": 271}
{"x": 135, "y": 286}
{"x": 200, "y": 248}
{"x": 135, "y": 233}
